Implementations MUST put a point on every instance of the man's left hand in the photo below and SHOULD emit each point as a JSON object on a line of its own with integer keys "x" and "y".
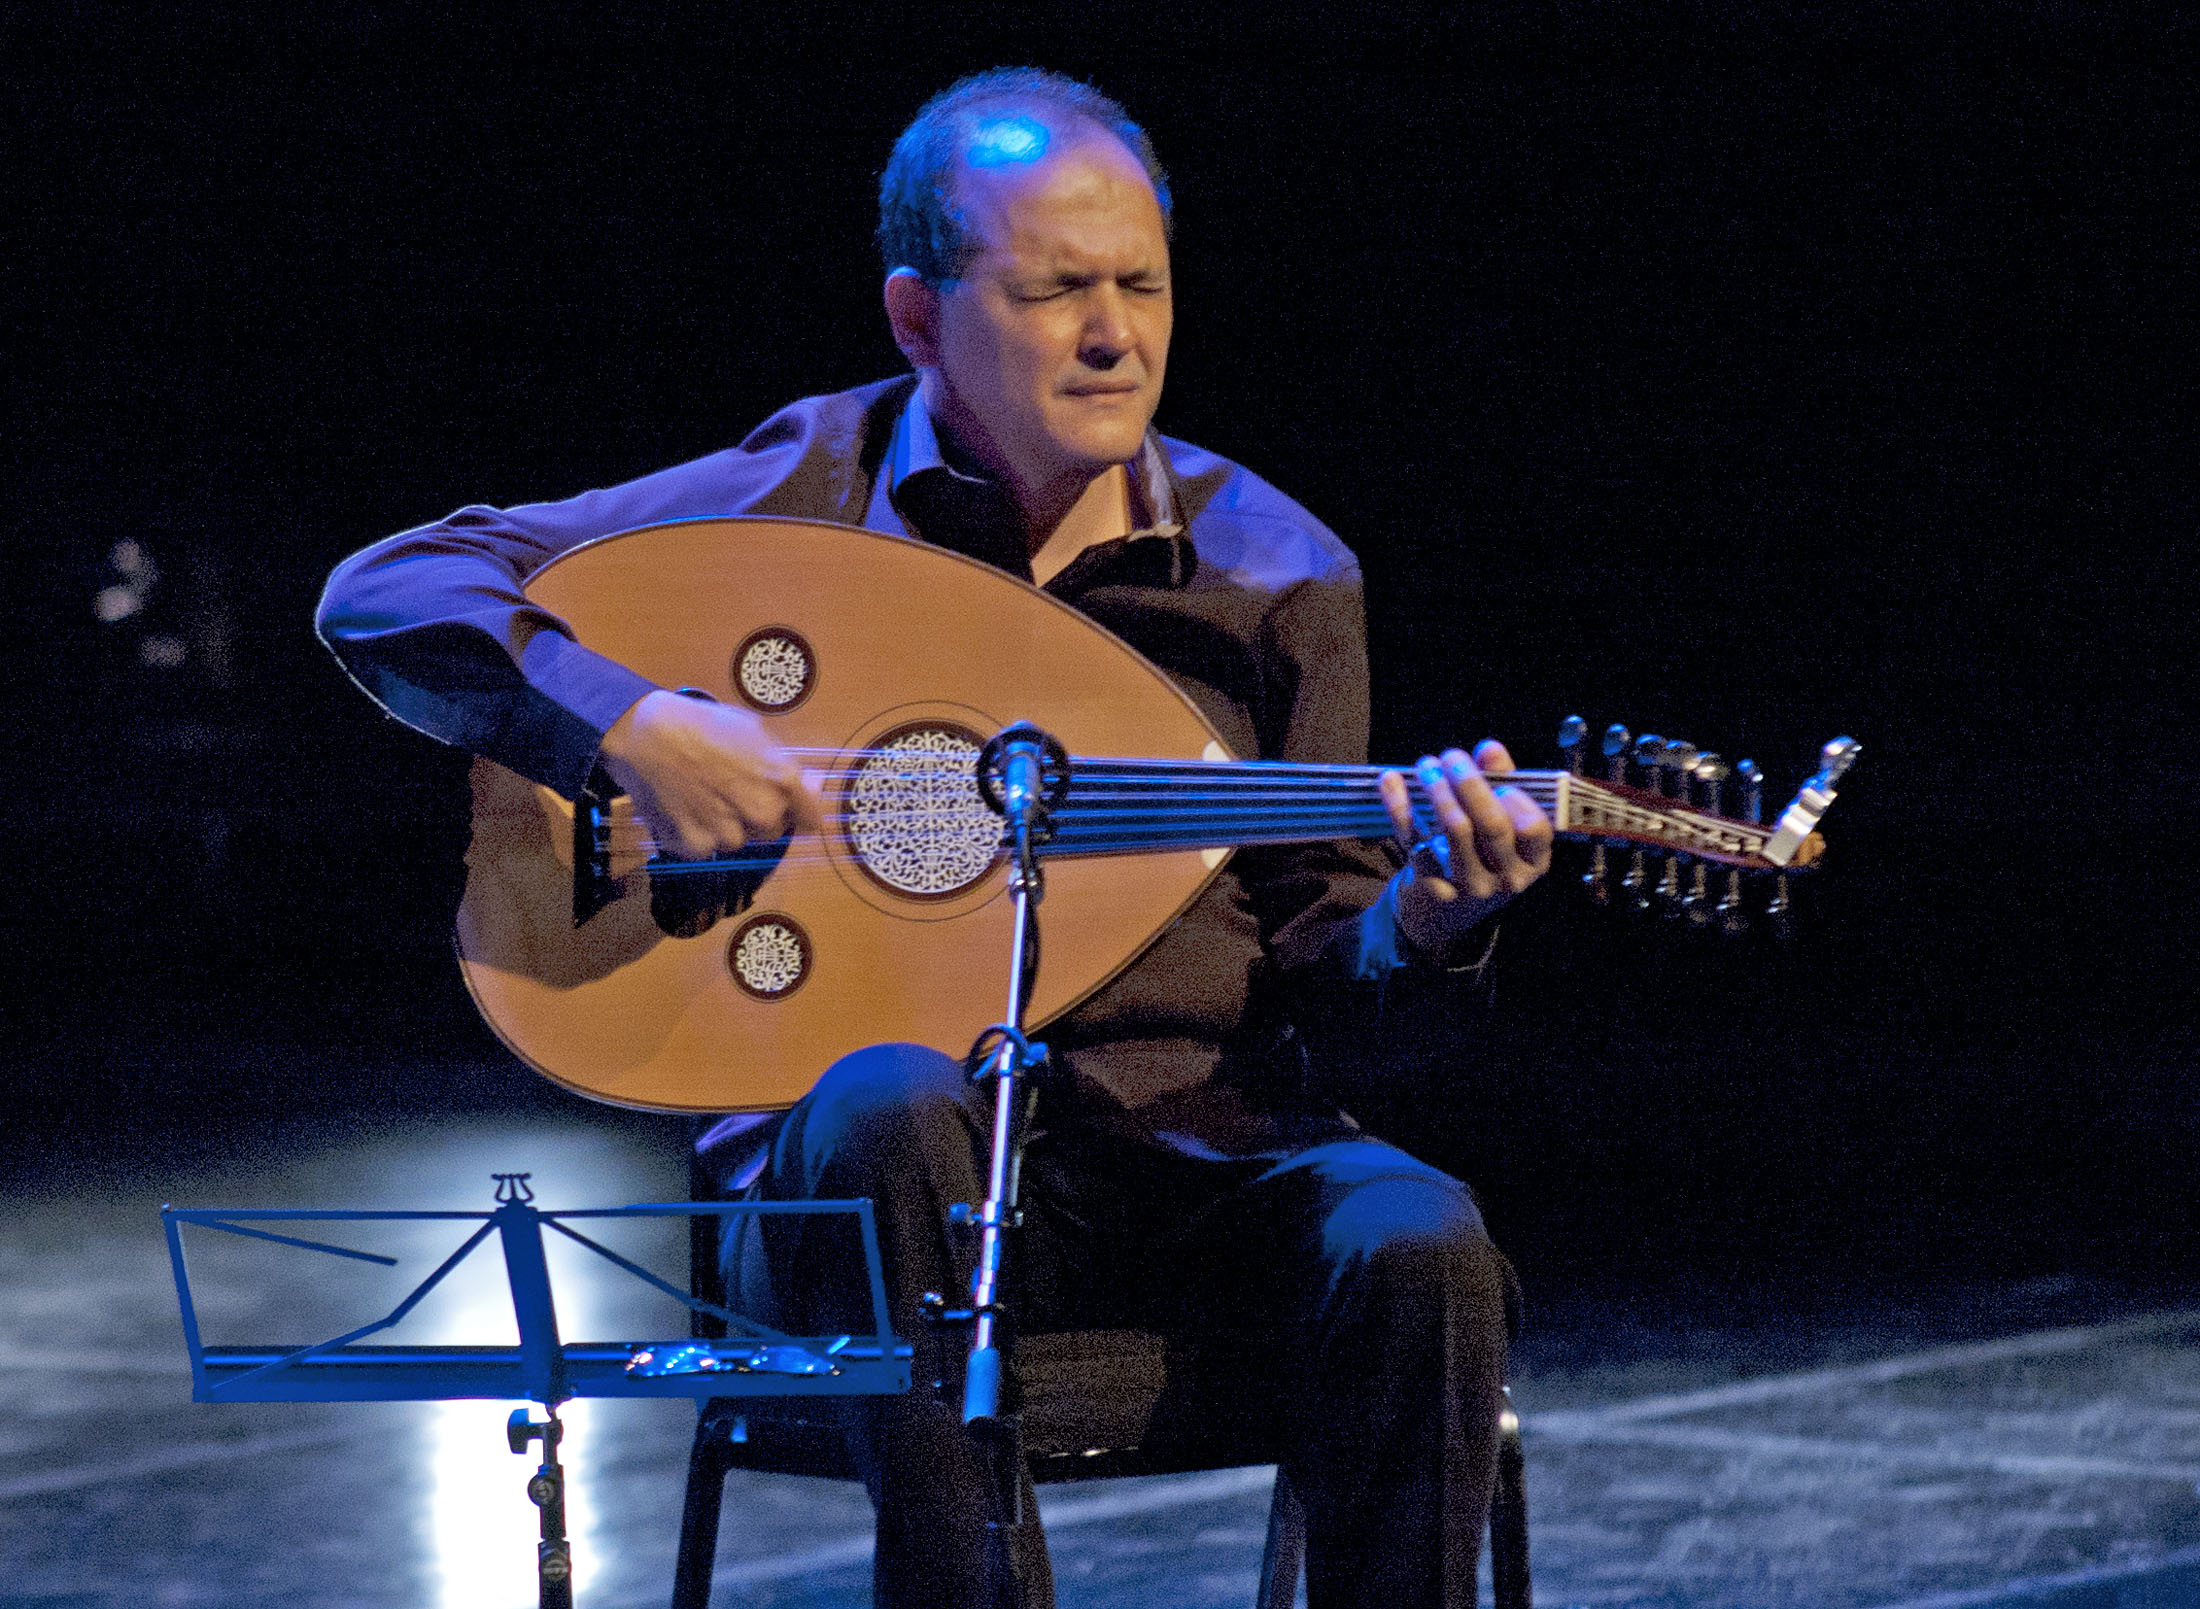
{"x": 1491, "y": 843}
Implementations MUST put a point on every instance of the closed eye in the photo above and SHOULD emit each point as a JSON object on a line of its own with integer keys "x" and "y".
{"x": 1069, "y": 284}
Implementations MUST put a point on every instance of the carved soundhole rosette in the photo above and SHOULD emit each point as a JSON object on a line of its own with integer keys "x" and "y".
{"x": 913, "y": 814}
{"x": 774, "y": 670}
{"x": 769, "y": 956}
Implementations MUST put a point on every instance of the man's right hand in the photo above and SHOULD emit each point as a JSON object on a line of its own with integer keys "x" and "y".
{"x": 706, "y": 778}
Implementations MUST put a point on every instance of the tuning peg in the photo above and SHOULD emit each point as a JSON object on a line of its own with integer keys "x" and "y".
{"x": 1696, "y": 903}
{"x": 1711, "y": 775}
{"x": 1669, "y": 778}
{"x": 1732, "y": 918}
{"x": 1804, "y": 812}
{"x": 1618, "y": 744}
{"x": 1834, "y": 759}
{"x": 1649, "y": 750}
{"x": 1753, "y": 812}
{"x": 1679, "y": 761}
{"x": 1752, "y": 778}
{"x": 1636, "y": 879}
{"x": 1573, "y": 743}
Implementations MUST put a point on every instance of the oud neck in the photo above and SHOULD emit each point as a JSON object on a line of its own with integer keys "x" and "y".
{"x": 1120, "y": 806}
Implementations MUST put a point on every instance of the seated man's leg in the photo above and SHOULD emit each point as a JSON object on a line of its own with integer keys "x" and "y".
{"x": 904, "y": 1127}
{"x": 1361, "y": 1282}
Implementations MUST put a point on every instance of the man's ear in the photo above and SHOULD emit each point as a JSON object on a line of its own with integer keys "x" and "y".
{"x": 913, "y": 314}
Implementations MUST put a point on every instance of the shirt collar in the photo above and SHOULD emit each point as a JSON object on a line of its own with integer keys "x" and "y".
{"x": 915, "y": 449}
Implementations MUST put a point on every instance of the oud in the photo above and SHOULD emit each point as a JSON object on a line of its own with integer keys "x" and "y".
{"x": 884, "y": 665}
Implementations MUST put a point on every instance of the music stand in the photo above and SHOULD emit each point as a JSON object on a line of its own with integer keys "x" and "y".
{"x": 753, "y": 1360}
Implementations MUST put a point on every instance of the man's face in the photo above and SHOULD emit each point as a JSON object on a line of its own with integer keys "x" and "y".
{"x": 1051, "y": 347}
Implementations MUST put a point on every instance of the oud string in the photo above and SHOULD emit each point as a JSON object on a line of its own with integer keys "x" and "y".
{"x": 1114, "y": 806}
{"x": 1122, "y": 806}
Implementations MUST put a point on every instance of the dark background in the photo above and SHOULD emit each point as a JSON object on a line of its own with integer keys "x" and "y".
{"x": 1748, "y": 374}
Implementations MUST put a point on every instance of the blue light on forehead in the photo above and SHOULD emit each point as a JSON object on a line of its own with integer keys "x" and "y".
{"x": 1002, "y": 140}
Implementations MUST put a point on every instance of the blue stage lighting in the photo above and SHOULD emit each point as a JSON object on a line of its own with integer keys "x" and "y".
{"x": 1002, "y": 140}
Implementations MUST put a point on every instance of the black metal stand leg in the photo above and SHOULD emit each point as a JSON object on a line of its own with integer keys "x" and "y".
{"x": 1509, "y": 1516}
{"x": 546, "y": 1490}
{"x": 988, "y": 1409}
{"x": 1283, "y": 1555}
{"x": 706, "y": 1497}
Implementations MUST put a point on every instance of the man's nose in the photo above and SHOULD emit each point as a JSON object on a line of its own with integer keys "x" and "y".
{"x": 1107, "y": 334}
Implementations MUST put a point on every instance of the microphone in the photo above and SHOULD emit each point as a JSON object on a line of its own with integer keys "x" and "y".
{"x": 1023, "y": 775}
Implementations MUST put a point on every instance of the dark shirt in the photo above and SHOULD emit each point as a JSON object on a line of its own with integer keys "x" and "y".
{"x": 1246, "y": 600}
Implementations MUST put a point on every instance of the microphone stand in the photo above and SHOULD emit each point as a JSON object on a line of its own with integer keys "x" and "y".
{"x": 1024, "y": 774}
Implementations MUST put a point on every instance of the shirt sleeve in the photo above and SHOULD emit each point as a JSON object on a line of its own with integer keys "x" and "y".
{"x": 435, "y": 626}
{"x": 1327, "y": 910}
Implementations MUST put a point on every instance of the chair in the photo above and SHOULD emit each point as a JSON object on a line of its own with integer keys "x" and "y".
{"x": 1094, "y": 1403}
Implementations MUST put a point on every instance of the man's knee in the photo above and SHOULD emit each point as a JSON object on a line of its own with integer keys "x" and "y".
{"x": 882, "y": 1105}
{"x": 1416, "y": 1245}
{"x": 887, "y": 1124}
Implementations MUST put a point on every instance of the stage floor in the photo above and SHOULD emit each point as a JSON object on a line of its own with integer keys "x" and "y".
{"x": 1836, "y": 1445}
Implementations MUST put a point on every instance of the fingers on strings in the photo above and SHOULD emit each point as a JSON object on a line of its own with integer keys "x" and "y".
{"x": 1499, "y": 837}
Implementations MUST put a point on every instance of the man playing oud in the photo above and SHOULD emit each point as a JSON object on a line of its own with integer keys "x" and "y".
{"x": 1186, "y": 1174}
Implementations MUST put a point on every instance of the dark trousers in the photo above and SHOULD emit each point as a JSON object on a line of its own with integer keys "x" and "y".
{"x": 1350, "y": 1288}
